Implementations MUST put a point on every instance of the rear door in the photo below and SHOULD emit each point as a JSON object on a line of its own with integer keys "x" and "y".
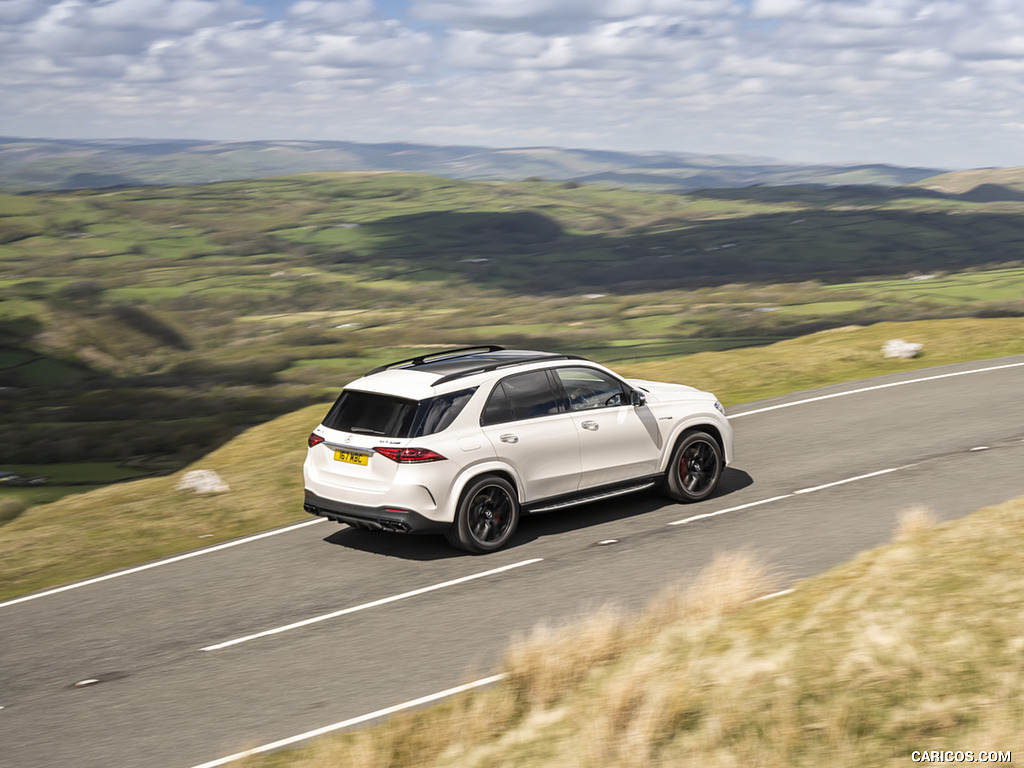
{"x": 525, "y": 421}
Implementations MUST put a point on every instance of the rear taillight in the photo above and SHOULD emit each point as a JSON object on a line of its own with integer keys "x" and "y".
{"x": 314, "y": 439}
{"x": 410, "y": 455}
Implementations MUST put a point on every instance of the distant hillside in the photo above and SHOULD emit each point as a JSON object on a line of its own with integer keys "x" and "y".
{"x": 981, "y": 185}
{"x": 39, "y": 164}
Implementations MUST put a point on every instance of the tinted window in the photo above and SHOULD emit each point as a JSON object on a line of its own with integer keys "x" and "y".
{"x": 439, "y": 412}
{"x": 531, "y": 395}
{"x": 497, "y": 410}
{"x": 589, "y": 388}
{"x": 368, "y": 413}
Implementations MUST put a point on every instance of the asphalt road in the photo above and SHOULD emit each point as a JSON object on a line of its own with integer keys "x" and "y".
{"x": 817, "y": 478}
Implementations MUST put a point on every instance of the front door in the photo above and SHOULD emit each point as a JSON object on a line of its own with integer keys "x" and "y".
{"x": 618, "y": 441}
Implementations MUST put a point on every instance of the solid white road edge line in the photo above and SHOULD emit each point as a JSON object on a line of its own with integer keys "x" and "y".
{"x": 158, "y": 563}
{"x": 874, "y": 388}
{"x": 789, "y": 495}
{"x": 353, "y": 721}
{"x": 374, "y": 604}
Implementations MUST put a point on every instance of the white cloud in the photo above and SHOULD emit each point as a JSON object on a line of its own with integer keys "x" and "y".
{"x": 14, "y": 11}
{"x": 877, "y": 13}
{"x": 330, "y": 11}
{"x": 564, "y": 16}
{"x": 928, "y": 59}
{"x": 806, "y": 79}
{"x": 779, "y": 9}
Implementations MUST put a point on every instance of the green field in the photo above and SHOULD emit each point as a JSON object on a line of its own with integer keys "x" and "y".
{"x": 121, "y": 310}
{"x": 152, "y": 330}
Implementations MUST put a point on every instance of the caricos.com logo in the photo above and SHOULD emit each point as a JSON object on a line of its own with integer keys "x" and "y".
{"x": 959, "y": 756}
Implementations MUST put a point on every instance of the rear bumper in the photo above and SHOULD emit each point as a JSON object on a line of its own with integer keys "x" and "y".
{"x": 374, "y": 518}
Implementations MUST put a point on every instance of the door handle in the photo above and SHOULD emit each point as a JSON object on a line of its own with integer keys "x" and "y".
{"x": 591, "y": 425}
{"x": 509, "y": 438}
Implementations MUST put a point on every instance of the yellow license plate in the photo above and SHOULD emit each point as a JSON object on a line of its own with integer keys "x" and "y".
{"x": 352, "y": 458}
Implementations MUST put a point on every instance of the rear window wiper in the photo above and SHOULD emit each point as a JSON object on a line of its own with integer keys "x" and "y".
{"x": 366, "y": 431}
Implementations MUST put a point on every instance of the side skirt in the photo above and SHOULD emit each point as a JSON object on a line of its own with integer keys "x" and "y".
{"x": 590, "y": 495}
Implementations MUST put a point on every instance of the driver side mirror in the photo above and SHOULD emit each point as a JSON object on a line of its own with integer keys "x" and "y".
{"x": 638, "y": 398}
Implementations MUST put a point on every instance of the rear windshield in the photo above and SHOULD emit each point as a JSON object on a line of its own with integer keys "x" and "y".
{"x": 369, "y": 413}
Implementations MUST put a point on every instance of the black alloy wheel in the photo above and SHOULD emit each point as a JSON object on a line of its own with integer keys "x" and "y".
{"x": 695, "y": 468}
{"x": 487, "y": 516}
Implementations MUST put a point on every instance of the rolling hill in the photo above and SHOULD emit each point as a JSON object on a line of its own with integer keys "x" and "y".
{"x": 27, "y": 164}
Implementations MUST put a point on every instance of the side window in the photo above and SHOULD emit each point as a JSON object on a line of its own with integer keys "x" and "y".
{"x": 497, "y": 409}
{"x": 589, "y": 388}
{"x": 525, "y": 395}
{"x": 437, "y": 413}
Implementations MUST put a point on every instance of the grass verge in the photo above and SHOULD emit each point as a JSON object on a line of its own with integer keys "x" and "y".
{"x": 910, "y": 647}
{"x": 829, "y": 357}
{"x": 125, "y": 524}
{"x": 84, "y": 535}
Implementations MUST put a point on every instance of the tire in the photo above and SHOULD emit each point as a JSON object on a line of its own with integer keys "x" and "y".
{"x": 695, "y": 468}
{"x": 487, "y": 516}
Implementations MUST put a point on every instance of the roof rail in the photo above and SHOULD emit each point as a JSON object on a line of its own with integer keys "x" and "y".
{"x": 433, "y": 357}
{"x": 485, "y": 367}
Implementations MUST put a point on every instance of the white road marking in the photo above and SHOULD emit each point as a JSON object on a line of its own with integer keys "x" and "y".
{"x": 353, "y": 721}
{"x": 374, "y": 604}
{"x": 854, "y": 479}
{"x": 387, "y": 712}
{"x": 730, "y": 509}
{"x": 246, "y": 540}
{"x": 158, "y": 563}
{"x": 789, "y": 495}
{"x": 874, "y": 388}
{"x": 780, "y": 593}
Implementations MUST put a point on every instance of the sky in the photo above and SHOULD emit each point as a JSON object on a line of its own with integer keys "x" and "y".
{"x": 934, "y": 83}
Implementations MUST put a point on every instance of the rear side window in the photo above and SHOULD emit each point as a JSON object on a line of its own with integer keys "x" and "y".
{"x": 369, "y": 413}
{"x": 523, "y": 396}
{"x": 439, "y": 412}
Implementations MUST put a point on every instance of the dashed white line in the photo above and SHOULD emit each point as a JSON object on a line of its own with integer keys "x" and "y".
{"x": 256, "y": 537}
{"x": 780, "y": 593}
{"x": 875, "y": 388}
{"x": 353, "y": 721}
{"x": 854, "y": 479}
{"x": 374, "y": 604}
{"x": 730, "y": 509}
{"x": 158, "y": 563}
{"x": 790, "y": 495}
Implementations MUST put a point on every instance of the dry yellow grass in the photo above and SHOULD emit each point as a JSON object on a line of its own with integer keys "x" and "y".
{"x": 914, "y": 521}
{"x": 912, "y": 646}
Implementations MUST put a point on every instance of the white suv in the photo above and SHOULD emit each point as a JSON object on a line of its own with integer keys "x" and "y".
{"x": 462, "y": 442}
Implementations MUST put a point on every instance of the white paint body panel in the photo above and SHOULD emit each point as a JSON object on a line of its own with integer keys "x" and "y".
{"x": 543, "y": 457}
